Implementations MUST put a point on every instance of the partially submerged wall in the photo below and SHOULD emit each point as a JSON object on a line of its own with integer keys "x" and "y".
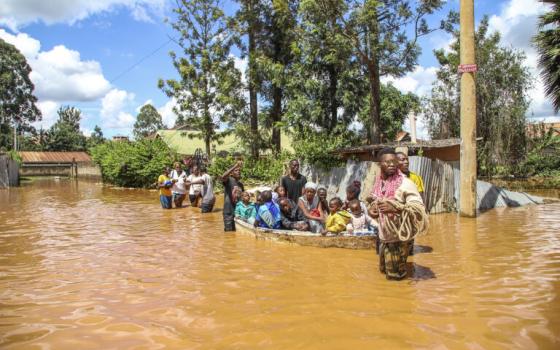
{"x": 441, "y": 184}
{"x": 9, "y": 172}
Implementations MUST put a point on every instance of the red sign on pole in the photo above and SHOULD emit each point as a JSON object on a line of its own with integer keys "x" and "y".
{"x": 467, "y": 68}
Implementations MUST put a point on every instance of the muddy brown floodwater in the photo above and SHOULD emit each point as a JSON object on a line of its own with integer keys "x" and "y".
{"x": 85, "y": 266}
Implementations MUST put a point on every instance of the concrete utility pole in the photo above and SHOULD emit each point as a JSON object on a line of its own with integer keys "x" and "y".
{"x": 467, "y": 68}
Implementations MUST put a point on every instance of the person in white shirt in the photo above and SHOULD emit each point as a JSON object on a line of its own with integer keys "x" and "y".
{"x": 208, "y": 197}
{"x": 196, "y": 182}
{"x": 179, "y": 189}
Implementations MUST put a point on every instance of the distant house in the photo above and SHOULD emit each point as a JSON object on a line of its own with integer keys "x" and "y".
{"x": 120, "y": 138}
{"x": 446, "y": 150}
{"x": 535, "y": 130}
{"x": 186, "y": 142}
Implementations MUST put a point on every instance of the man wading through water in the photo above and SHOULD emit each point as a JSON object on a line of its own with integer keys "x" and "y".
{"x": 231, "y": 180}
{"x": 294, "y": 182}
{"x": 400, "y": 211}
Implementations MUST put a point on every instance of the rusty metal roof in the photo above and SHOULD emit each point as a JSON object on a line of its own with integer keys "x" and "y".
{"x": 425, "y": 144}
{"x": 54, "y": 157}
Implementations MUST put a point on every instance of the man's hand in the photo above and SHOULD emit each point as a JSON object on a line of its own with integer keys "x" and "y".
{"x": 386, "y": 207}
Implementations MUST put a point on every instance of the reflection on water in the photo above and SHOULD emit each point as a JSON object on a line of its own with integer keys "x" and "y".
{"x": 86, "y": 266}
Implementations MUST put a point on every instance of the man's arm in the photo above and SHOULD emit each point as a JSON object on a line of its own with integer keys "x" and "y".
{"x": 287, "y": 223}
{"x": 225, "y": 175}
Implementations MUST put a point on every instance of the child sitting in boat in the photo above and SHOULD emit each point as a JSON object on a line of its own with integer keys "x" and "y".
{"x": 268, "y": 213}
{"x": 278, "y": 194}
{"x": 244, "y": 209}
{"x": 352, "y": 193}
{"x": 361, "y": 224}
{"x": 338, "y": 218}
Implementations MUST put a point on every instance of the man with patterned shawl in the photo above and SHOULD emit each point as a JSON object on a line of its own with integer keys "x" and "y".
{"x": 399, "y": 209}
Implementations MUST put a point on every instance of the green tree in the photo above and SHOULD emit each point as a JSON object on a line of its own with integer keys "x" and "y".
{"x": 209, "y": 91}
{"x": 249, "y": 22}
{"x": 383, "y": 35}
{"x": 65, "y": 134}
{"x": 17, "y": 102}
{"x": 96, "y": 137}
{"x": 547, "y": 42}
{"x": 147, "y": 122}
{"x": 502, "y": 84}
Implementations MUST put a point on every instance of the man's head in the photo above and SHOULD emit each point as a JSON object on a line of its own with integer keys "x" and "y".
{"x": 388, "y": 161}
{"x": 166, "y": 171}
{"x": 294, "y": 166}
{"x": 281, "y": 191}
{"x": 352, "y": 192}
{"x": 266, "y": 196}
{"x": 335, "y": 204}
{"x": 403, "y": 162}
{"x": 236, "y": 173}
{"x": 355, "y": 207}
{"x": 285, "y": 205}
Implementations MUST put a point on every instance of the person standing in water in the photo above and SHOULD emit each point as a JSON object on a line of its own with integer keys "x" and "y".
{"x": 394, "y": 194}
{"x": 294, "y": 182}
{"x": 232, "y": 181}
{"x": 417, "y": 179}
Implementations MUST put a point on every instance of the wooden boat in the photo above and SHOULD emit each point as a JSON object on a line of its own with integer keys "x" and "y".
{"x": 306, "y": 238}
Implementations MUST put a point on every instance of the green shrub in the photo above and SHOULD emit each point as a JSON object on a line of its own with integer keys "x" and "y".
{"x": 265, "y": 170}
{"x": 317, "y": 149}
{"x": 133, "y": 164}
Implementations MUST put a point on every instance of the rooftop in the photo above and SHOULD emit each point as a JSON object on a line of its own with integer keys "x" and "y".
{"x": 54, "y": 157}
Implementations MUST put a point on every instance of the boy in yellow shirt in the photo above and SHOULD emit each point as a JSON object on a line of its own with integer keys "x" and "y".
{"x": 164, "y": 185}
{"x": 338, "y": 218}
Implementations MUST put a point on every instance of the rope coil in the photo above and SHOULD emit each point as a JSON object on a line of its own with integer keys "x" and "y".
{"x": 411, "y": 221}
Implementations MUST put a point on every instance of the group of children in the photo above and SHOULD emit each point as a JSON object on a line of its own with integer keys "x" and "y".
{"x": 312, "y": 212}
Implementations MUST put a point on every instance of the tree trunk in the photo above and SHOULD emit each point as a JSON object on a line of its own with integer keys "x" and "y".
{"x": 276, "y": 116}
{"x": 252, "y": 88}
{"x": 374, "y": 102}
{"x": 333, "y": 82}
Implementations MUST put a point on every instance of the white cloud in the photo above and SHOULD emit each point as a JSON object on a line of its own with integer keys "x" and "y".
{"x": 18, "y": 13}
{"x": 418, "y": 81}
{"x": 59, "y": 74}
{"x": 48, "y": 110}
{"x": 87, "y": 132}
{"x": 167, "y": 114}
{"x": 113, "y": 109}
{"x": 517, "y": 23}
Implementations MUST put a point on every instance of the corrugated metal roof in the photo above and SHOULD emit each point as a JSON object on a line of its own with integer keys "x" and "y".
{"x": 54, "y": 157}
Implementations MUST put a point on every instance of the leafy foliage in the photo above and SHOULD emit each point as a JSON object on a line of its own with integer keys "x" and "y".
{"x": 17, "y": 102}
{"x": 547, "y": 42}
{"x": 209, "y": 90}
{"x": 133, "y": 164}
{"x": 65, "y": 134}
{"x": 96, "y": 137}
{"x": 147, "y": 122}
{"x": 502, "y": 84}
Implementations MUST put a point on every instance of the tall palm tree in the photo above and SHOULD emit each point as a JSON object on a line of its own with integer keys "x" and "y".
{"x": 547, "y": 42}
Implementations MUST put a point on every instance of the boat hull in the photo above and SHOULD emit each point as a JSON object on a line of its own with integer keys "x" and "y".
{"x": 306, "y": 238}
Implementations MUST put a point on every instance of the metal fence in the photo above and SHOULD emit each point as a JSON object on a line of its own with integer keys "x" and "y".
{"x": 9, "y": 172}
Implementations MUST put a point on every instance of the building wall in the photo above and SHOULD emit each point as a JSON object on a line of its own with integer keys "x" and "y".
{"x": 9, "y": 172}
{"x": 46, "y": 169}
{"x": 89, "y": 170}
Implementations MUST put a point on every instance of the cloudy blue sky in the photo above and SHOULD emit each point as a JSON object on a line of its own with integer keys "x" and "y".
{"x": 106, "y": 56}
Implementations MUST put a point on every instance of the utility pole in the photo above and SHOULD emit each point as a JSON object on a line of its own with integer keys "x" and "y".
{"x": 467, "y": 68}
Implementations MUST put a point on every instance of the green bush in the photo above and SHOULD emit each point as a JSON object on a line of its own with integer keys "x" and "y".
{"x": 133, "y": 164}
{"x": 317, "y": 149}
{"x": 265, "y": 170}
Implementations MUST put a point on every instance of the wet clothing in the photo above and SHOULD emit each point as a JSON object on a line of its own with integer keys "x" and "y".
{"x": 164, "y": 191}
{"x": 208, "y": 198}
{"x": 336, "y": 222}
{"x": 295, "y": 216}
{"x": 246, "y": 212}
{"x": 230, "y": 202}
{"x": 179, "y": 186}
{"x": 315, "y": 226}
{"x": 165, "y": 201}
{"x": 392, "y": 259}
{"x": 295, "y": 187}
{"x": 268, "y": 215}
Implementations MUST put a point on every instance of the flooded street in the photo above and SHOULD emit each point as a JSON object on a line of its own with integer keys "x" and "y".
{"x": 85, "y": 266}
